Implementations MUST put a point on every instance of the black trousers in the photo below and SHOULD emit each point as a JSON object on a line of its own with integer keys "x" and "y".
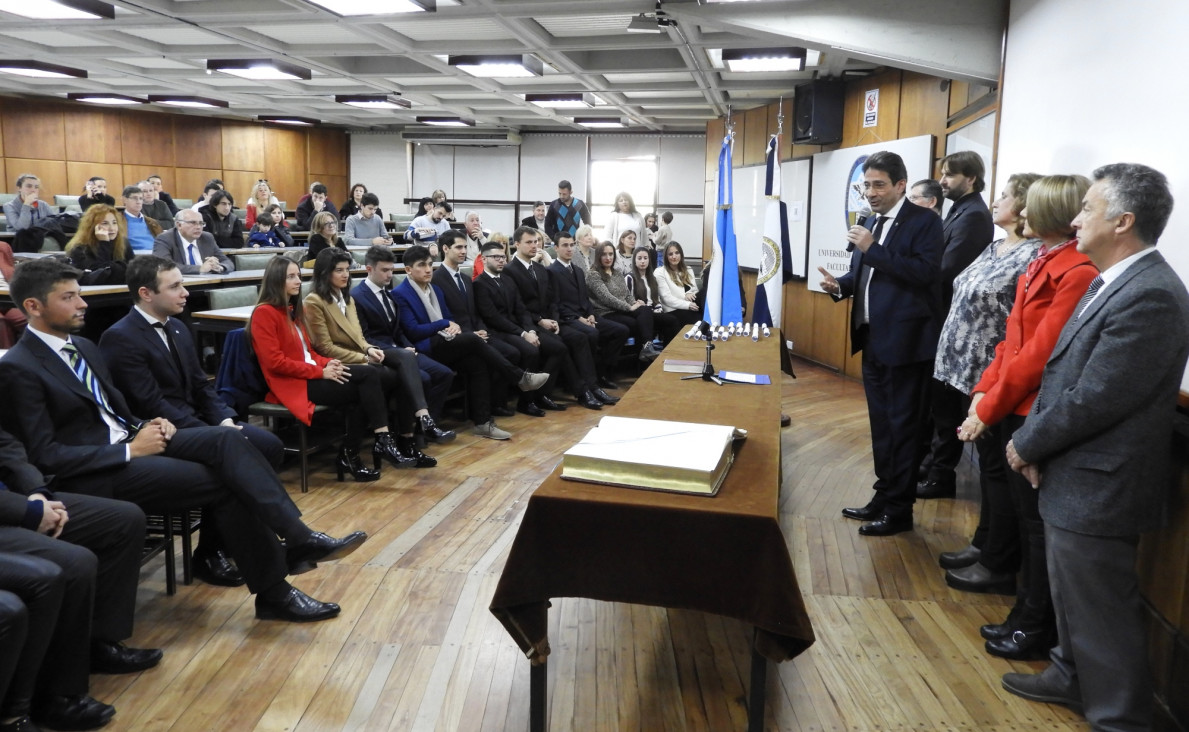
{"x": 605, "y": 339}
{"x": 582, "y": 350}
{"x": 639, "y": 322}
{"x": 897, "y": 409}
{"x": 401, "y": 379}
{"x": 31, "y": 594}
{"x": 948, "y": 409}
{"x": 1034, "y": 600}
{"x": 97, "y": 561}
{"x": 549, "y": 357}
{"x": 481, "y": 363}
{"x": 362, "y": 390}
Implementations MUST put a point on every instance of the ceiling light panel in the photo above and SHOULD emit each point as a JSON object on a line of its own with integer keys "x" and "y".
{"x": 40, "y": 70}
{"x": 498, "y": 66}
{"x": 59, "y": 9}
{"x": 375, "y": 7}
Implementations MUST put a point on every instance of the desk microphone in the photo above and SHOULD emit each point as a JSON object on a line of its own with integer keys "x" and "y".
{"x": 861, "y": 220}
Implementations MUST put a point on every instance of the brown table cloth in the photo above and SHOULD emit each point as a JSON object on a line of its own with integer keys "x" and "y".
{"x": 723, "y": 554}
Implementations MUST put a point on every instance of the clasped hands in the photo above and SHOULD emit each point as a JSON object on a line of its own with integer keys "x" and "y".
{"x": 336, "y": 371}
{"x": 152, "y": 438}
{"x": 973, "y": 428}
{"x": 53, "y": 516}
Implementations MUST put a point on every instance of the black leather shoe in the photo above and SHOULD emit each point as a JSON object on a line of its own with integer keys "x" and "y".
{"x": 936, "y": 489}
{"x": 1022, "y": 646}
{"x": 116, "y": 658}
{"x": 502, "y": 412}
{"x": 408, "y": 448}
{"x": 605, "y": 383}
{"x": 546, "y": 403}
{"x": 215, "y": 568}
{"x": 588, "y": 400}
{"x": 385, "y": 448}
{"x": 866, "y": 513}
{"x": 297, "y": 607}
{"x": 20, "y": 724}
{"x": 427, "y": 427}
{"x": 886, "y": 526}
{"x": 603, "y": 396}
{"x": 322, "y": 548}
{"x": 997, "y": 631}
{"x": 349, "y": 463}
{"x": 977, "y": 578}
{"x": 1042, "y": 687}
{"x": 72, "y": 712}
{"x": 530, "y": 409}
{"x": 961, "y": 558}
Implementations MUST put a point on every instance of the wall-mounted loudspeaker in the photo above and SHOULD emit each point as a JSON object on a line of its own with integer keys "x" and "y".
{"x": 817, "y": 112}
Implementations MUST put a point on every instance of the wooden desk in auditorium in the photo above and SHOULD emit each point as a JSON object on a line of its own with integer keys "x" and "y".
{"x": 724, "y": 554}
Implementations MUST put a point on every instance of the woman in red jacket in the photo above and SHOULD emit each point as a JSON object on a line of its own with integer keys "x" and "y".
{"x": 298, "y": 377}
{"x": 1047, "y": 295}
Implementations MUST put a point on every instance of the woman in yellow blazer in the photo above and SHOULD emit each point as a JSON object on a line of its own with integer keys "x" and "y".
{"x": 335, "y": 333}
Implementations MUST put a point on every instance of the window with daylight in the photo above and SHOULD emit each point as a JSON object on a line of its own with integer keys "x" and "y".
{"x": 608, "y": 178}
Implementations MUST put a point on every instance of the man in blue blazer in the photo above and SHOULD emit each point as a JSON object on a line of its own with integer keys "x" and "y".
{"x": 1097, "y": 445}
{"x": 895, "y": 321}
{"x": 155, "y": 366}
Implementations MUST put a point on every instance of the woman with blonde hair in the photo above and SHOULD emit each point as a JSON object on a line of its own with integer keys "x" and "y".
{"x": 324, "y": 234}
{"x": 678, "y": 286}
{"x": 584, "y": 253}
{"x": 258, "y": 202}
{"x": 100, "y": 247}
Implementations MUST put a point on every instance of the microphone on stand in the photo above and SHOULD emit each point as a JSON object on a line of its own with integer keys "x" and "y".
{"x": 864, "y": 214}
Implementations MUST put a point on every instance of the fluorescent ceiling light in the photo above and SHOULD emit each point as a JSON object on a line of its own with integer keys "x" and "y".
{"x": 112, "y": 99}
{"x": 497, "y": 66}
{"x": 599, "y": 123}
{"x": 39, "y": 70}
{"x": 561, "y": 101}
{"x": 288, "y": 120}
{"x": 259, "y": 69}
{"x": 446, "y": 121}
{"x": 643, "y": 24}
{"x": 764, "y": 59}
{"x": 187, "y": 101}
{"x": 376, "y": 7}
{"x": 59, "y": 9}
{"x": 374, "y": 101}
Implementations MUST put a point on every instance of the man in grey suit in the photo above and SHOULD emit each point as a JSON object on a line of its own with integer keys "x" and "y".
{"x": 1097, "y": 446}
{"x": 194, "y": 250}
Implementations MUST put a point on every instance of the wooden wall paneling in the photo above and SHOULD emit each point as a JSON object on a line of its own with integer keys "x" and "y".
{"x": 93, "y": 135}
{"x": 285, "y": 164}
{"x": 1164, "y": 554}
{"x": 797, "y": 316}
{"x": 959, "y": 96}
{"x": 831, "y": 321}
{"x": 715, "y": 129}
{"x": 191, "y": 180}
{"x": 77, "y": 174}
{"x": 5, "y": 184}
{"x": 137, "y": 173}
{"x": 711, "y": 208}
{"x": 198, "y": 143}
{"x": 3, "y": 107}
{"x": 784, "y": 148}
{"x": 755, "y": 139}
{"x": 327, "y": 153}
{"x": 243, "y": 148}
{"x": 923, "y": 109}
{"x": 34, "y": 131}
{"x": 51, "y": 172}
{"x": 147, "y": 139}
{"x": 239, "y": 183}
{"x": 747, "y": 279}
{"x": 888, "y": 125}
{"x": 336, "y": 187}
{"x": 807, "y": 151}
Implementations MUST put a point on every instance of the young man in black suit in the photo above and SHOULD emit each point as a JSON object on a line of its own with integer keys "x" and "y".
{"x": 155, "y": 366}
{"x": 605, "y": 337}
{"x": 895, "y": 321}
{"x": 77, "y": 426}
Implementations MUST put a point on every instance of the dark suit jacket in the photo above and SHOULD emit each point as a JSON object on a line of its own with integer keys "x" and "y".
{"x": 304, "y": 213}
{"x": 414, "y": 318}
{"x": 147, "y": 376}
{"x": 168, "y": 244}
{"x": 905, "y": 294}
{"x": 374, "y": 321}
{"x": 570, "y": 291}
{"x": 500, "y": 305}
{"x": 537, "y": 293}
{"x": 18, "y": 474}
{"x": 54, "y": 415}
{"x": 531, "y": 221}
{"x": 967, "y": 231}
{"x": 462, "y": 307}
{"x": 1101, "y": 427}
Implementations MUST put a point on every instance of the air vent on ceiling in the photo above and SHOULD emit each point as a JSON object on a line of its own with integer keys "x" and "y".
{"x": 493, "y": 138}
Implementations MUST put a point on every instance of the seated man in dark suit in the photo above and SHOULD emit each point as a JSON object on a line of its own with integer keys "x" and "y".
{"x": 191, "y": 248}
{"x": 386, "y": 333}
{"x": 537, "y": 219}
{"x": 76, "y": 426}
{"x": 155, "y": 366}
{"x": 312, "y": 205}
{"x": 533, "y": 282}
{"x": 425, "y": 316}
{"x": 604, "y": 337}
{"x": 74, "y": 562}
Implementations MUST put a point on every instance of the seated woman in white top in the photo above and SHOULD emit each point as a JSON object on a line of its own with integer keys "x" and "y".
{"x": 678, "y": 287}
{"x": 625, "y": 217}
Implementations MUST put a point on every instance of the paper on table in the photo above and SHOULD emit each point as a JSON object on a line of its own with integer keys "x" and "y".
{"x": 742, "y": 378}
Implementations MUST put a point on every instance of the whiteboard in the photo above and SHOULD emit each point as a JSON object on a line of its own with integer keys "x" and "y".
{"x": 750, "y": 206}
{"x": 834, "y": 174}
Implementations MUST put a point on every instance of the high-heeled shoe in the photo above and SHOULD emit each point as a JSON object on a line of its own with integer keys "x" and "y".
{"x": 429, "y": 429}
{"x": 349, "y": 462}
{"x": 386, "y": 449}
{"x": 408, "y": 448}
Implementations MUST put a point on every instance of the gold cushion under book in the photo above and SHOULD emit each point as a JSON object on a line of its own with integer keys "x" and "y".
{"x": 681, "y": 457}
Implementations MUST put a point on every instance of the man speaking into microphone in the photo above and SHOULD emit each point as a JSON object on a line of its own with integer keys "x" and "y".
{"x": 895, "y": 321}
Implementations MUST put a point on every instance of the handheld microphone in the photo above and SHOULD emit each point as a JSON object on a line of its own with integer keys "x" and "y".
{"x": 861, "y": 220}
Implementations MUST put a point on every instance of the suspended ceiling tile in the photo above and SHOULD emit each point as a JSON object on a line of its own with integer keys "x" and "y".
{"x": 646, "y": 77}
{"x": 445, "y": 29}
{"x": 175, "y": 36}
{"x": 157, "y": 62}
{"x": 312, "y": 33}
{"x": 52, "y": 38}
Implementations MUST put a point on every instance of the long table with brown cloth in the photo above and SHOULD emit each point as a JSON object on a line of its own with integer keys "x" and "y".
{"x": 724, "y": 554}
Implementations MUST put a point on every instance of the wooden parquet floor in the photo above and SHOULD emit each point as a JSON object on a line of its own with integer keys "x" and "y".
{"x": 416, "y": 649}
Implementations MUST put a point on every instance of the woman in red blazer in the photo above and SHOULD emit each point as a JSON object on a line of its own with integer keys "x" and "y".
{"x": 1047, "y": 295}
{"x": 300, "y": 378}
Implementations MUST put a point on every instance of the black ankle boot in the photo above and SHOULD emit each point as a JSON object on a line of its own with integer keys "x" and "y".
{"x": 349, "y": 462}
{"x": 1023, "y": 645}
{"x": 429, "y": 429}
{"x": 999, "y": 631}
{"x": 386, "y": 449}
{"x": 408, "y": 448}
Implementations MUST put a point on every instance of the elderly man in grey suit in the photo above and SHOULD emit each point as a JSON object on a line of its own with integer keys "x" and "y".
{"x": 194, "y": 250}
{"x": 1097, "y": 447}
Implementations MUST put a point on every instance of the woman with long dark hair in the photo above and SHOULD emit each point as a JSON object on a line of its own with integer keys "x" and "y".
{"x": 611, "y": 299}
{"x": 300, "y": 378}
{"x": 221, "y": 221}
{"x": 642, "y": 285}
{"x": 336, "y": 333}
{"x": 355, "y": 202}
{"x": 100, "y": 247}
